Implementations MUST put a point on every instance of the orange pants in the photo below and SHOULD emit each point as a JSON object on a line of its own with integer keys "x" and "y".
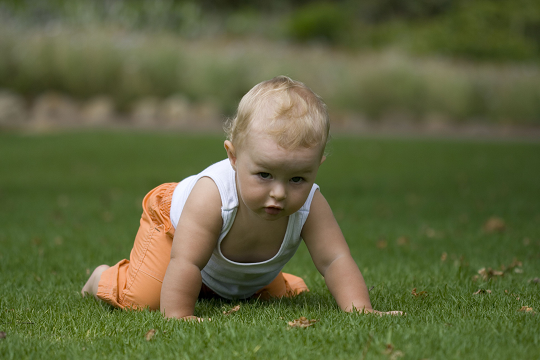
{"x": 136, "y": 283}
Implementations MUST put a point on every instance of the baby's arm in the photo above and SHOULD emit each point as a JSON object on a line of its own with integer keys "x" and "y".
{"x": 195, "y": 238}
{"x": 333, "y": 259}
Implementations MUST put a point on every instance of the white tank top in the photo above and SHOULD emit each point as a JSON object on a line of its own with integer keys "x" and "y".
{"x": 230, "y": 279}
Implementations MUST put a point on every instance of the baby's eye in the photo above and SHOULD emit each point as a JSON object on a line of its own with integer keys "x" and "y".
{"x": 296, "y": 179}
{"x": 264, "y": 175}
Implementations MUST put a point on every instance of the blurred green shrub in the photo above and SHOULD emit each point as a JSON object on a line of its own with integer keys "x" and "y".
{"x": 130, "y": 66}
{"x": 507, "y": 30}
{"x": 483, "y": 29}
{"x": 321, "y": 21}
{"x": 92, "y": 52}
{"x": 379, "y": 11}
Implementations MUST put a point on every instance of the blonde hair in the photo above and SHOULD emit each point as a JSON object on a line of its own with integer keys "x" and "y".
{"x": 291, "y": 113}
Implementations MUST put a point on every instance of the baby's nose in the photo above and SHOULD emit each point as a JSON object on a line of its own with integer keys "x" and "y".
{"x": 278, "y": 192}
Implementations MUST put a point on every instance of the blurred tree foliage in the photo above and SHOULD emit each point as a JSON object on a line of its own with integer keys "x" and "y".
{"x": 478, "y": 29}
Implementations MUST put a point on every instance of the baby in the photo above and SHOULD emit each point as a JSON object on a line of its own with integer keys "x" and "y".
{"x": 229, "y": 230}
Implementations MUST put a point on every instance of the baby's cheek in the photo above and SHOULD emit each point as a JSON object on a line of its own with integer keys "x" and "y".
{"x": 298, "y": 200}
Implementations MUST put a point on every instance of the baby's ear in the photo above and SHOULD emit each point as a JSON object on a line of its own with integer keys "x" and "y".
{"x": 322, "y": 159}
{"x": 231, "y": 153}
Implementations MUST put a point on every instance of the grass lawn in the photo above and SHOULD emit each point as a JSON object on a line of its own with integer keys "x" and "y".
{"x": 413, "y": 211}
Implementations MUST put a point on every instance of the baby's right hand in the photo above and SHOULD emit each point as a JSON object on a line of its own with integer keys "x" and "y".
{"x": 381, "y": 313}
{"x": 192, "y": 318}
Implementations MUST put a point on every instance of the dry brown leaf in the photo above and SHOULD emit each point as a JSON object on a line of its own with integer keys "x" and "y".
{"x": 107, "y": 216}
{"x": 488, "y": 273}
{"x": 515, "y": 264}
{"x": 444, "y": 256}
{"x": 494, "y": 224}
{"x": 482, "y": 291}
{"x": 402, "y": 240}
{"x": 381, "y": 244}
{"x": 535, "y": 281}
{"x": 511, "y": 294}
{"x": 526, "y": 309}
{"x": 150, "y": 334}
{"x": 421, "y": 293}
{"x": 392, "y": 352}
{"x": 431, "y": 233}
{"x": 389, "y": 349}
{"x": 233, "y": 310}
{"x": 302, "y": 322}
{"x": 2, "y": 335}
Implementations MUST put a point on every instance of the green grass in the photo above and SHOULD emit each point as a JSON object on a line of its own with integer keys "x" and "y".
{"x": 71, "y": 201}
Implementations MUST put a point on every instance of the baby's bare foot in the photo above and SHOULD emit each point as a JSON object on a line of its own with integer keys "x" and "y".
{"x": 91, "y": 286}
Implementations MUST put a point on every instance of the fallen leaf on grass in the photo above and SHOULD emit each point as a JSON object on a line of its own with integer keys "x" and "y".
{"x": 2, "y": 335}
{"x": 444, "y": 256}
{"x": 513, "y": 266}
{"x": 150, "y": 334}
{"x": 389, "y": 349}
{"x": 233, "y": 310}
{"x": 535, "y": 281}
{"x": 402, "y": 240}
{"x": 381, "y": 244}
{"x": 432, "y": 233}
{"x": 482, "y": 291}
{"x": 58, "y": 240}
{"x": 421, "y": 293}
{"x": 494, "y": 224}
{"x": 392, "y": 352}
{"x": 302, "y": 322}
{"x": 107, "y": 216}
{"x": 526, "y": 309}
{"x": 512, "y": 294}
{"x": 489, "y": 273}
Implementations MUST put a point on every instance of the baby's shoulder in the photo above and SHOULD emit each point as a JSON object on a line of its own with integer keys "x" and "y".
{"x": 204, "y": 191}
{"x": 319, "y": 209}
{"x": 203, "y": 205}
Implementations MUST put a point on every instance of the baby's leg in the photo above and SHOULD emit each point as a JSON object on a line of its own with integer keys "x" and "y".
{"x": 284, "y": 285}
{"x": 91, "y": 286}
{"x": 136, "y": 283}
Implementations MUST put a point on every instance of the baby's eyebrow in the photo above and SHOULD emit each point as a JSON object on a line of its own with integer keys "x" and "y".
{"x": 267, "y": 166}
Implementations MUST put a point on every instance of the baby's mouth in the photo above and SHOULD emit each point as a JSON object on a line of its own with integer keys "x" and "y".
{"x": 273, "y": 210}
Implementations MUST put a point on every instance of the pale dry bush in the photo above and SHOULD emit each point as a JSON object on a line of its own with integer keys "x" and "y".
{"x": 128, "y": 66}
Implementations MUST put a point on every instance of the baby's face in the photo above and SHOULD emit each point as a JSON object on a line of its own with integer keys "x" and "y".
{"x": 273, "y": 182}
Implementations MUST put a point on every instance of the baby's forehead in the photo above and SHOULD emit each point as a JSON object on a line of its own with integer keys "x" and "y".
{"x": 261, "y": 137}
